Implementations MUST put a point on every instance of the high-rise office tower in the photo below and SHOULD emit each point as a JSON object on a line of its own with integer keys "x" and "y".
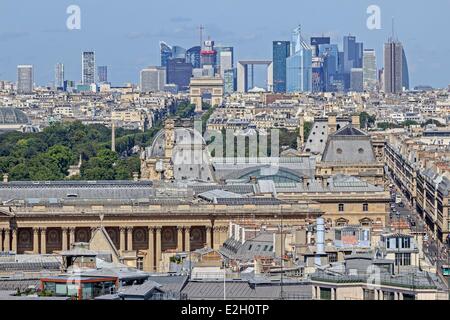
{"x": 178, "y": 52}
{"x": 393, "y": 66}
{"x": 369, "y": 70}
{"x": 225, "y": 59}
{"x": 59, "y": 75}
{"x": 165, "y": 52}
{"x": 229, "y": 81}
{"x": 316, "y": 42}
{"x": 353, "y": 58}
{"x": 405, "y": 71}
{"x": 179, "y": 72}
{"x": 24, "y": 78}
{"x": 281, "y": 50}
{"x": 299, "y": 65}
{"x": 356, "y": 80}
{"x": 329, "y": 53}
{"x": 152, "y": 79}
{"x": 208, "y": 54}
{"x": 102, "y": 74}
{"x": 193, "y": 56}
{"x": 88, "y": 67}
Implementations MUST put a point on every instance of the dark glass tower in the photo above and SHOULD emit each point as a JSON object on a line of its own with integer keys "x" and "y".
{"x": 165, "y": 52}
{"x": 193, "y": 56}
{"x": 179, "y": 72}
{"x": 281, "y": 50}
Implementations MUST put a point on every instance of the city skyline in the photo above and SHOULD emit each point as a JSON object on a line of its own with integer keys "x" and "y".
{"x": 126, "y": 51}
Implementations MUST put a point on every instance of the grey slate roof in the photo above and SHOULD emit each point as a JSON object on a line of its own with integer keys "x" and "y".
{"x": 55, "y": 191}
{"x": 244, "y": 290}
{"x": 349, "y": 145}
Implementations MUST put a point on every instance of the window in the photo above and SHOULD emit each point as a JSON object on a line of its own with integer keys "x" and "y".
{"x": 325, "y": 293}
{"x": 369, "y": 294}
{"x": 332, "y": 257}
{"x": 339, "y": 150}
{"x": 140, "y": 263}
{"x": 341, "y": 207}
{"x": 407, "y": 259}
{"x": 361, "y": 150}
{"x": 365, "y": 207}
{"x": 406, "y": 243}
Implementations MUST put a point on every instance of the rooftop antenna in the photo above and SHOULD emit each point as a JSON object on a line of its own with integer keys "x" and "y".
{"x": 393, "y": 29}
{"x": 201, "y": 28}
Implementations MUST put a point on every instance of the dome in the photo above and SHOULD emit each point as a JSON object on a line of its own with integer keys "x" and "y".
{"x": 10, "y": 115}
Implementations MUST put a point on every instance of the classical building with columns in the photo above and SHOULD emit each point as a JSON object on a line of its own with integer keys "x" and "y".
{"x": 143, "y": 220}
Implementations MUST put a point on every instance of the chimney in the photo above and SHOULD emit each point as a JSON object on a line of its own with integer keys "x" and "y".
{"x": 320, "y": 240}
{"x": 5, "y": 178}
{"x": 355, "y": 121}
{"x": 332, "y": 125}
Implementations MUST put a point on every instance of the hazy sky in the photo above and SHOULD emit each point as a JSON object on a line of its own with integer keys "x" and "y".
{"x": 125, "y": 34}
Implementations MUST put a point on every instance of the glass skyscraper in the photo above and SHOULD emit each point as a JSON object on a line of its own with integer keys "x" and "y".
{"x": 393, "y": 66}
{"x": 405, "y": 71}
{"x": 25, "y": 79}
{"x": 165, "y": 52}
{"x": 369, "y": 70}
{"x": 102, "y": 74}
{"x": 193, "y": 56}
{"x": 299, "y": 65}
{"x": 281, "y": 50}
{"x": 179, "y": 72}
{"x": 88, "y": 68}
{"x": 59, "y": 75}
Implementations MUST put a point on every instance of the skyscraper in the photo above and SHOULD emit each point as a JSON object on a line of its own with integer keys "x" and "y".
{"x": 281, "y": 50}
{"x": 405, "y": 71}
{"x": 102, "y": 74}
{"x": 152, "y": 79}
{"x": 316, "y": 42}
{"x": 369, "y": 70}
{"x": 299, "y": 65}
{"x": 179, "y": 72}
{"x": 59, "y": 75}
{"x": 208, "y": 55}
{"x": 229, "y": 81}
{"x": 178, "y": 52}
{"x": 88, "y": 67}
{"x": 225, "y": 59}
{"x": 165, "y": 52}
{"x": 353, "y": 57}
{"x": 193, "y": 56}
{"x": 356, "y": 79}
{"x": 25, "y": 79}
{"x": 393, "y": 66}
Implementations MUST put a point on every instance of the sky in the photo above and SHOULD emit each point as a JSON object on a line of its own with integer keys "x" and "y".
{"x": 125, "y": 34}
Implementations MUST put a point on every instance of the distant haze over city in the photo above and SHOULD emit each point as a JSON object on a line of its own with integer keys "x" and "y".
{"x": 125, "y": 35}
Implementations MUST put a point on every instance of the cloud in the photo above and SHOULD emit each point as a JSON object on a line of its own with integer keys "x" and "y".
{"x": 5, "y": 36}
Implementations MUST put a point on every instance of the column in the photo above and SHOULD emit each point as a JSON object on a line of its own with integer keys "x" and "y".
{"x": 208, "y": 236}
{"x": 122, "y": 238}
{"x": 130, "y": 238}
{"x": 64, "y": 238}
{"x": 187, "y": 239}
{"x": 216, "y": 237}
{"x": 151, "y": 249}
{"x": 158, "y": 248}
{"x": 333, "y": 293}
{"x": 71, "y": 237}
{"x": 35, "y": 240}
{"x": 7, "y": 240}
{"x": 43, "y": 240}
{"x": 1, "y": 240}
{"x": 14, "y": 240}
{"x": 179, "y": 238}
